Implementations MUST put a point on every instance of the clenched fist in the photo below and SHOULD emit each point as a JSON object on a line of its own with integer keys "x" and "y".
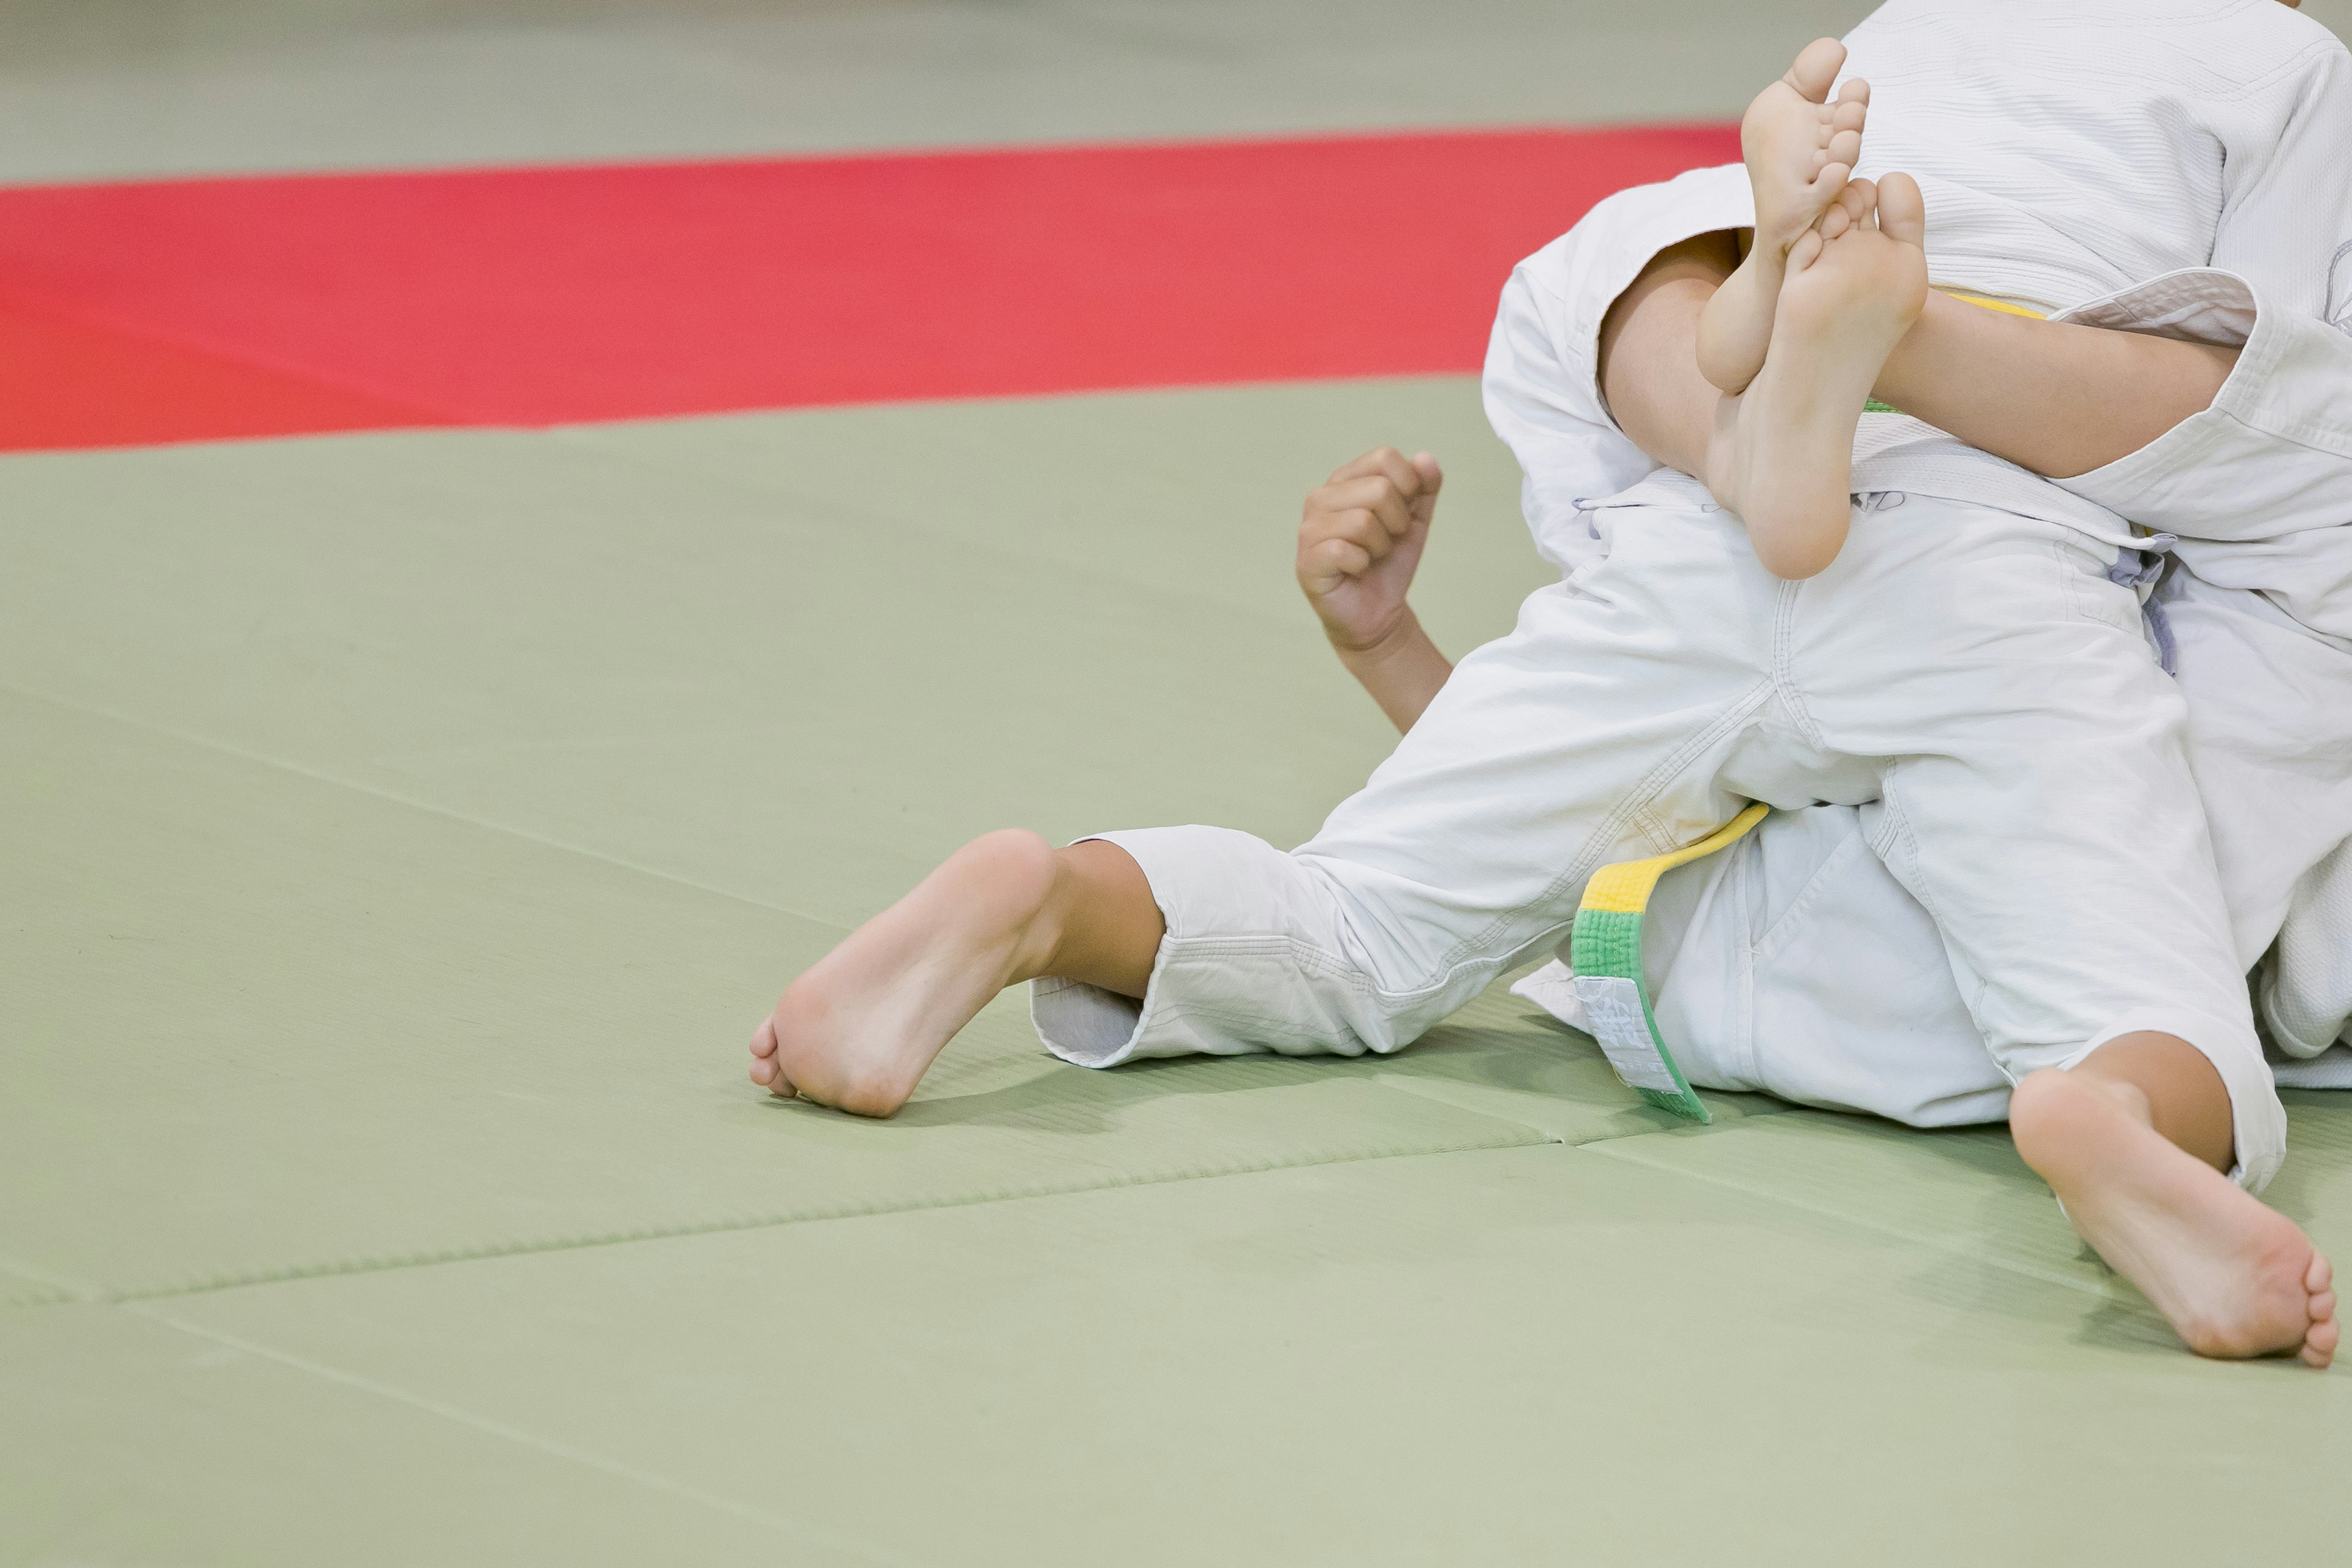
{"x": 1360, "y": 542}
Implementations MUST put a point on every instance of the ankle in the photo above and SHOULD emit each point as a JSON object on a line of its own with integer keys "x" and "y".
{"x": 2165, "y": 1083}
{"x": 2129, "y": 1097}
{"x": 1045, "y": 929}
{"x": 1095, "y": 920}
{"x": 1767, "y": 265}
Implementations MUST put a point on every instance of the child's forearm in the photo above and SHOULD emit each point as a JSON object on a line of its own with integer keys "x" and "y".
{"x": 2055, "y": 398}
{"x": 1402, "y": 671}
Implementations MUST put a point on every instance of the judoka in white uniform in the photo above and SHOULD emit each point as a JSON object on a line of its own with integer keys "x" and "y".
{"x": 1796, "y": 964}
{"x": 1970, "y": 675}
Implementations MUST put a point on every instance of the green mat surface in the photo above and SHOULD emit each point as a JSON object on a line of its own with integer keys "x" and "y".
{"x": 406, "y": 832}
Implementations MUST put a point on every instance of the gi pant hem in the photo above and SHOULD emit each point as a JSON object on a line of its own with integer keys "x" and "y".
{"x": 2256, "y": 1118}
{"x": 1222, "y": 948}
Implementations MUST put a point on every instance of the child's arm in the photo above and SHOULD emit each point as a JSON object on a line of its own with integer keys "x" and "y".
{"x": 2056, "y": 399}
{"x": 1359, "y": 543}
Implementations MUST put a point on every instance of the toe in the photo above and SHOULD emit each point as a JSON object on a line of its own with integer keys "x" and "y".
{"x": 1806, "y": 251}
{"x": 769, "y": 1076}
{"x": 763, "y": 1038}
{"x": 1902, "y": 210}
{"x": 2319, "y": 1276}
{"x": 1816, "y": 68}
{"x": 2319, "y": 1344}
{"x": 1846, "y": 147}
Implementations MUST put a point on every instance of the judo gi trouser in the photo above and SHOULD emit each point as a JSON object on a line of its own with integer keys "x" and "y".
{"x": 1970, "y": 678}
{"x": 1794, "y": 963}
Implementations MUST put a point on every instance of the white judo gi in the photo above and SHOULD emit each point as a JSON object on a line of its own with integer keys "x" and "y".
{"x": 1971, "y": 674}
{"x": 1795, "y": 962}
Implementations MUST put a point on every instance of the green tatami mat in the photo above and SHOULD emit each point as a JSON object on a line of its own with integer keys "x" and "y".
{"x": 1528, "y": 1356}
{"x": 126, "y": 1440}
{"x": 2314, "y": 1189}
{"x": 1966, "y": 1187}
{"x": 1194, "y": 492}
{"x": 758, "y": 692}
{"x": 1500, "y": 1056}
{"x": 406, "y": 832}
{"x": 260, "y": 1025}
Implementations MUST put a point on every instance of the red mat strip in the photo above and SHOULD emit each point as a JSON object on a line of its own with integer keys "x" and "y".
{"x": 137, "y": 313}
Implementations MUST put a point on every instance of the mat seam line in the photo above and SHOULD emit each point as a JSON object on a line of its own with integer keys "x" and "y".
{"x": 375, "y": 791}
{"x": 129, "y": 1297}
{"x": 807, "y": 1534}
{"x": 2047, "y": 1275}
{"x": 45, "y": 1289}
{"x": 1666, "y": 1121}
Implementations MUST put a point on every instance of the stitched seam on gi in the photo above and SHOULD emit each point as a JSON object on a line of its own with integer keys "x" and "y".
{"x": 1783, "y": 682}
{"x": 1776, "y": 935}
{"x": 2133, "y": 477}
{"x": 1612, "y": 827}
{"x": 1301, "y": 954}
{"x": 1308, "y": 959}
{"x": 2083, "y": 600}
{"x": 1890, "y": 827}
{"x": 1655, "y": 830}
{"x": 1256, "y": 1025}
{"x": 1744, "y": 871}
{"x": 1915, "y": 884}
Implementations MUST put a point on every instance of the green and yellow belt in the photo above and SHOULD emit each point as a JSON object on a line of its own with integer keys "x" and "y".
{"x": 1605, "y": 950}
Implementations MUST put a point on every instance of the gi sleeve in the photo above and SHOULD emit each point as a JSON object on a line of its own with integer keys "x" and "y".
{"x": 2258, "y": 485}
{"x": 1542, "y": 381}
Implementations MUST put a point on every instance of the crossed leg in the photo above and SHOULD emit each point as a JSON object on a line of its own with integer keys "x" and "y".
{"x": 2135, "y": 1137}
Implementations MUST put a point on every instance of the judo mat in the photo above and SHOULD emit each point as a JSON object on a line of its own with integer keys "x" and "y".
{"x": 408, "y": 819}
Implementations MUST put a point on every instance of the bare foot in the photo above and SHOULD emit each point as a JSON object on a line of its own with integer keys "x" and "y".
{"x": 1799, "y": 150}
{"x": 2232, "y": 1276}
{"x": 1783, "y": 458}
{"x": 859, "y": 1030}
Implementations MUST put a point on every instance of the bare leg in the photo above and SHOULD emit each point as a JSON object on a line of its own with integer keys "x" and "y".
{"x": 2050, "y": 396}
{"x": 2052, "y": 399}
{"x": 1649, "y": 375}
{"x": 2134, "y": 1139}
{"x": 859, "y": 1030}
